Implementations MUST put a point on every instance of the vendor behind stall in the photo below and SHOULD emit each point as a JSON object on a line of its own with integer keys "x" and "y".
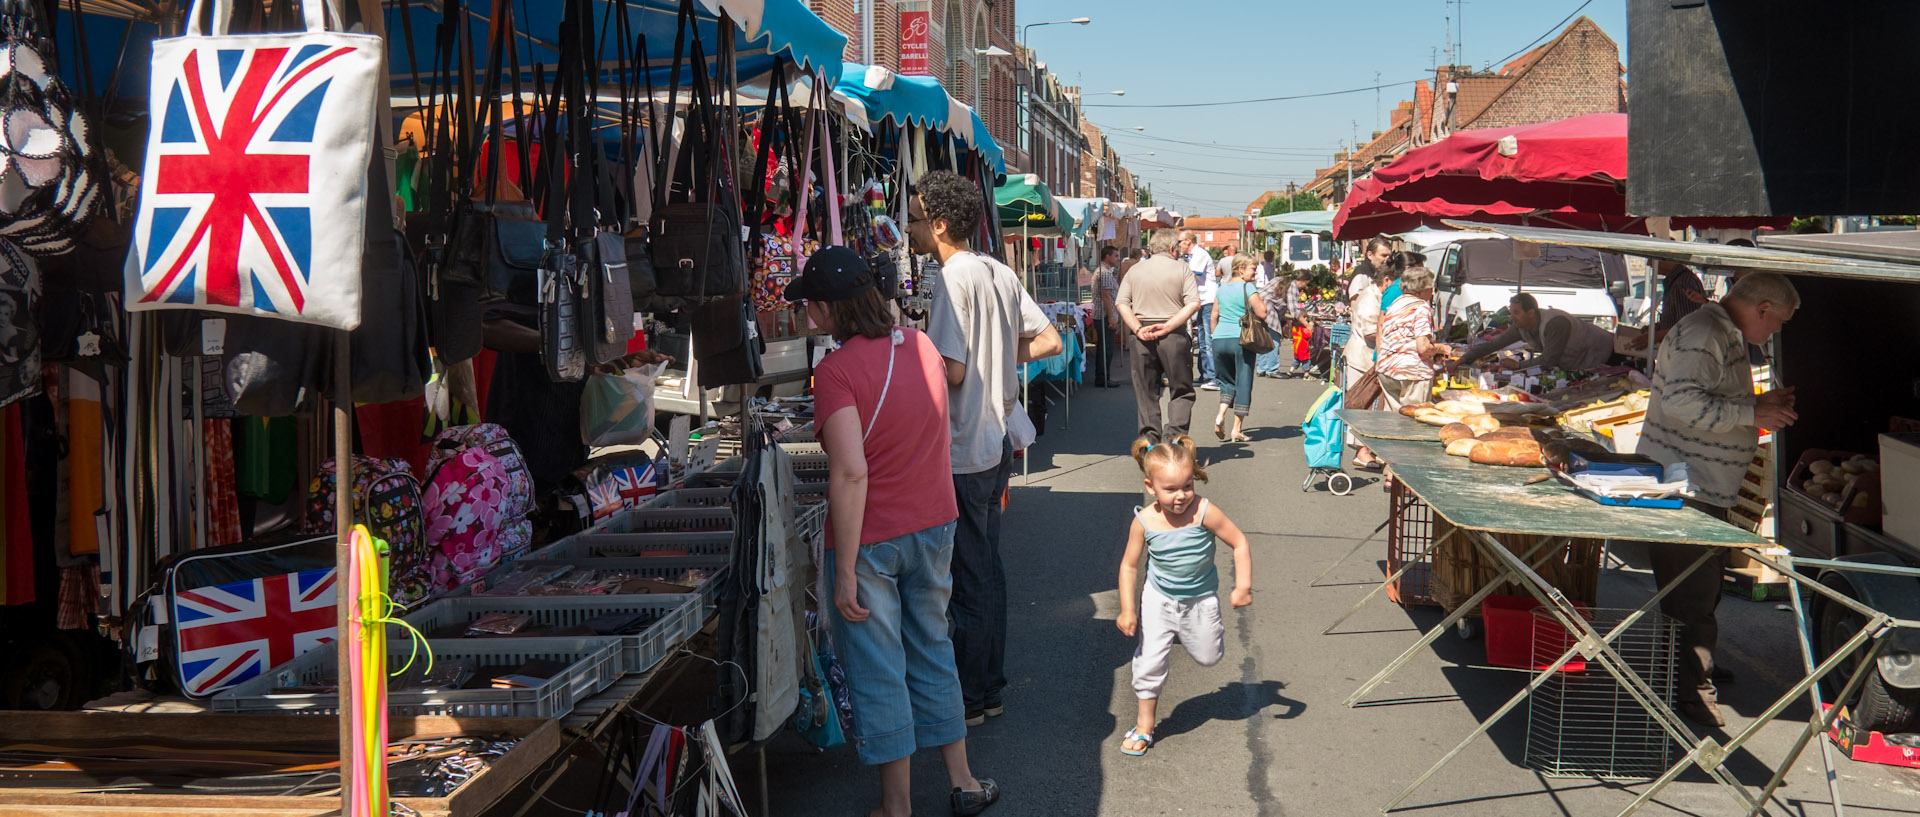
{"x": 1704, "y": 414}
{"x": 1562, "y": 340}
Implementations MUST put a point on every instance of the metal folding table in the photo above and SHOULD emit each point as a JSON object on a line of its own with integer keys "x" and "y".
{"x": 1486, "y": 503}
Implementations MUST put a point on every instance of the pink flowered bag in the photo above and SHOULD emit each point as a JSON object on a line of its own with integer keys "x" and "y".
{"x": 477, "y": 498}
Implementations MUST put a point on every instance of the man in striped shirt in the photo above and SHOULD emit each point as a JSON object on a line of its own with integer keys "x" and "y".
{"x": 1704, "y": 413}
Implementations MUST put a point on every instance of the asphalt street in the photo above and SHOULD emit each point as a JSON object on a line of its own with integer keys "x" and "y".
{"x": 1265, "y": 731}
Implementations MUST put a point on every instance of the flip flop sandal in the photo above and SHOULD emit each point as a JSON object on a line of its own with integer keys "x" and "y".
{"x": 1220, "y": 430}
{"x": 1134, "y": 734}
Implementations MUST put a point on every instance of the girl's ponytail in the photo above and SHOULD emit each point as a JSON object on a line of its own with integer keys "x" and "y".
{"x": 1178, "y": 451}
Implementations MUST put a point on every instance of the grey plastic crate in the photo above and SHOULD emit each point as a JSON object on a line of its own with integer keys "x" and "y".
{"x": 649, "y": 567}
{"x": 714, "y": 497}
{"x": 638, "y": 545}
{"x": 670, "y": 619}
{"x": 592, "y": 665}
{"x": 653, "y": 518}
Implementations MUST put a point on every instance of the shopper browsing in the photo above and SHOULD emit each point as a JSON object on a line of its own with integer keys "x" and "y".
{"x": 1177, "y": 536}
{"x": 883, "y": 409}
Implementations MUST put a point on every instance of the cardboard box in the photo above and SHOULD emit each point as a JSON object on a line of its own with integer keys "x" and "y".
{"x": 1867, "y": 746}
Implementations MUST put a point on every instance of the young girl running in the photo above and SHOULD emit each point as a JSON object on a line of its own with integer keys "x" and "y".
{"x": 1177, "y": 535}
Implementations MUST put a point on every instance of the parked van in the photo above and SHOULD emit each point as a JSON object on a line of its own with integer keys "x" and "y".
{"x": 1480, "y": 269}
{"x": 1305, "y": 250}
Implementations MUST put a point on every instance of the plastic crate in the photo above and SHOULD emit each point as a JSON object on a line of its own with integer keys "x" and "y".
{"x": 592, "y": 665}
{"x": 654, "y": 519}
{"x": 632, "y": 545}
{"x": 715, "y": 497}
{"x": 670, "y": 619}
{"x": 1522, "y": 636}
{"x": 1409, "y": 539}
{"x": 1338, "y": 333}
{"x": 647, "y": 567}
{"x": 1585, "y": 724}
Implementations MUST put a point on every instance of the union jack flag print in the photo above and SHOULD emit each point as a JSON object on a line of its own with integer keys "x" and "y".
{"x": 253, "y": 200}
{"x": 231, "y": 632}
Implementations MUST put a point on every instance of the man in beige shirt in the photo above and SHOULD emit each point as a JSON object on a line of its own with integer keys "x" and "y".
{"x": 1156, "y": 298}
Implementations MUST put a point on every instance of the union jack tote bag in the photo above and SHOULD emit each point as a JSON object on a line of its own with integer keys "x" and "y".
{"x": 254, "y": 195}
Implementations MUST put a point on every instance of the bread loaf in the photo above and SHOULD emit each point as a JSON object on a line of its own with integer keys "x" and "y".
{"x": 1410, "y": 409}
{"x": 1508, "y": 433}
{"x": 1482, "y": 423}
{"x": 1507, "y": 452}
{"x": 1460, "y": 407}
{"x": 1462, "y": 447}
{"x": 1455, "y": 431}
{"x": 1435, "y": 417}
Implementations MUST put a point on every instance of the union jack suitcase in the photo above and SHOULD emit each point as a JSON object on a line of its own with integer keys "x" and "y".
{"x": 236, "y": 611}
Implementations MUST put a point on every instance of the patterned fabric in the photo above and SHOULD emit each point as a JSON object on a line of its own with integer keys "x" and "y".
{"x": 387, "y": 499}
{"x": 223, "y": 501}
{"x": 1405, "y": 322}
{"x": 1106, "y": 282}
{"x": 477, "y": 498}
{"x": 79, "y": 591}
{"x": 1702, "y": 407}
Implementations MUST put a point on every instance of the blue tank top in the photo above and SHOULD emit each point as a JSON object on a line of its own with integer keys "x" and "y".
{"x": 1231, "y": 303}
{"x": 1180, "y": 560}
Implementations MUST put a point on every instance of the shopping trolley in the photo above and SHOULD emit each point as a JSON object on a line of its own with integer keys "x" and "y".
{"x": 1322, "y": 434}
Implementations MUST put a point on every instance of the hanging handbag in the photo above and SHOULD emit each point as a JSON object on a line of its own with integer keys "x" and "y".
{"x": 696, "y": 245}
{"x": 310, "y": 95}
{"x": 497, "y": 246}
{"x": 390, "y": 357}
{"x": 726, "y": 342}
{"x": 606, "y": 314}
{"x": 1255, "y": 337}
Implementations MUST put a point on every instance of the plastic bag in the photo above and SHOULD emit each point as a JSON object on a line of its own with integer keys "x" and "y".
{"x": 618, "y": 409}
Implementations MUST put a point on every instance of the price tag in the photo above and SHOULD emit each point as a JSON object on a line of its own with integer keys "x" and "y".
{"x": 89, "y": 343}
{"x": 147, "y": 645}
{"x": 213, "y": 336}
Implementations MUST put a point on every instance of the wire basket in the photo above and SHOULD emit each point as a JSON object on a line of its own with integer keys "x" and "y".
{"x": 669, "y": 619}
{"x": 1460, "y": 569}
{"x": 592, "y": 665}
{"x": 1585, "y": 724}
{"x": 1409, "y": 539}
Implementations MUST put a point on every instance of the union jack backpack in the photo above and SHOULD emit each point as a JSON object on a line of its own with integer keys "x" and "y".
{"x": 386, "y": 498}
{"x": 478, "y": 494}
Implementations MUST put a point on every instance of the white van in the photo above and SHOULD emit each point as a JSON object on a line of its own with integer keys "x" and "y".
{"x": 1304, "y": 250}
{"x": 1479, "y": 269}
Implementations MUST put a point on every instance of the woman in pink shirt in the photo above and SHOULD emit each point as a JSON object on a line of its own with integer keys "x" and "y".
{"x": 880, "y": 409}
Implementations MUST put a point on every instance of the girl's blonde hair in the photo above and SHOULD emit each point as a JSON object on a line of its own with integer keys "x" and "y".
{"x": 1177, "y": 451}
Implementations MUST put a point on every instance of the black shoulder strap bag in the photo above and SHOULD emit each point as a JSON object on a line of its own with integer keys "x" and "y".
{"x": 607, "y": 317}
{"x": 496, "y": 245}
{"x": 696, "y": 244}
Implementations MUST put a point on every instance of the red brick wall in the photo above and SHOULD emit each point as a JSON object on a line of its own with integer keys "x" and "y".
{"x": 1579, "y": 77}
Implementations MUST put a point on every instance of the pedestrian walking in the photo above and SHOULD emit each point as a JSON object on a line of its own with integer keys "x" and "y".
{"x": 1156, "y": 299}
{"x": 984, "y": 325}
{"x": 1177, "y": 536}
{"x": 1106, "y": 284}
{"x": 1407, "y": 347}
{"x": 1363, "y": 316}
{"x": 883, "y": 410}
{"x": 1203, "y": 268}
{"x": 1279, "y": 319}
{"x": 1232, "y": 362}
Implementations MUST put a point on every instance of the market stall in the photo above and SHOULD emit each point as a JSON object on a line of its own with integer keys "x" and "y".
{"x": 1522, "y": 520}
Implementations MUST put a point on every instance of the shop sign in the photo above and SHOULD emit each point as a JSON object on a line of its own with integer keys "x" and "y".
{"x": 914, "y": 37}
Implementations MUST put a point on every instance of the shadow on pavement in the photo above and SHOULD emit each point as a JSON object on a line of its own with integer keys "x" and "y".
{"x": 1235, "y": 701}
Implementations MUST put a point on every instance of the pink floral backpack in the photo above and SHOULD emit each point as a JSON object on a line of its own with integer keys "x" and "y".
{"x": 478, "y": 494}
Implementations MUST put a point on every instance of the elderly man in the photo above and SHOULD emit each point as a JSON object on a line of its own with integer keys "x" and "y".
{"x": 1562, "y": 340}
{"x": 1156, "y": 299}
{"x": 1200, "y": 262}
{"x": 1704, "y": 413}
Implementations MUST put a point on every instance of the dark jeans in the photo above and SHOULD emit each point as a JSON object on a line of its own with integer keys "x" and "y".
{"x": 1202, "y": 342}
{"x": 1233, "y": 364}
{"x": 1269, "y": 363}
{"x": 1172, "y": 357}
{"x": 1692, "y": 606}
{"x": 978, "y": 611}
{"x": 1103, "y": 356}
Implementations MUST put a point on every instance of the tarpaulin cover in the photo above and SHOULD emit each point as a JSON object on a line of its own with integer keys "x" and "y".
{"x": 919, "y": 100}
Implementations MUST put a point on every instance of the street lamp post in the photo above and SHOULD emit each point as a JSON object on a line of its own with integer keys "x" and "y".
{"x": 1025, "y": 106}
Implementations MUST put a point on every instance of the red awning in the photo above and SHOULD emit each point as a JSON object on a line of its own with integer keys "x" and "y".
{"x": 1568, "y": 173}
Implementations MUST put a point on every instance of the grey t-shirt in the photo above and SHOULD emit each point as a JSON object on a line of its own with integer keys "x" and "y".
{"x": 979, "y": 313}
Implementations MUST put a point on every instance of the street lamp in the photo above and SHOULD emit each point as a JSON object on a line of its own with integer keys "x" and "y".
{"x": 1024, "y": 106}
{"x": 1078, "y": 21}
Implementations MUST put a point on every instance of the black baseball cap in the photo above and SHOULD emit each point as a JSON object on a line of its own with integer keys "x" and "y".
{"x": 832, "y": 274}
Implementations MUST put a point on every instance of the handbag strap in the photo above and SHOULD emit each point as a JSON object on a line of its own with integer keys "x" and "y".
{"x": 313, "y": 14}
{"x": 894, "y": 340}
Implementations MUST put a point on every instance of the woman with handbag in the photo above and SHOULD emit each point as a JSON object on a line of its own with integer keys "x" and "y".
{"x": 881, "y": 404}
{"x": 1237, "y": 305}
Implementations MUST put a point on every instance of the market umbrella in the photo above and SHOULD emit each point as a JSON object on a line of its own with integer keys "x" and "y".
{"x": 876, "y": 94}
{"x": 1568, "y": 173}
{"x": 1299, "y": 221}
{"x": 1026, "y": 205}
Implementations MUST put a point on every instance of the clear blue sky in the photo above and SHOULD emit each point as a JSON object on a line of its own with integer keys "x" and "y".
{"x": 1216, "y": 50}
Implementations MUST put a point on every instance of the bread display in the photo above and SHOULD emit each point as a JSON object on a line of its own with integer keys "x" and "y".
{"x": 1455, "y": 431}
{"x": 1465, "y": 407}
{"x": 1482, "y": 423}
{"x": 1462, "y": 447}
{"x": 1409, "y": 410}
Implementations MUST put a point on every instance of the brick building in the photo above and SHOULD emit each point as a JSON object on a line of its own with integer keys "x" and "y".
{"x": 1214, "y": 232}
{"x": 1576, "y": 73}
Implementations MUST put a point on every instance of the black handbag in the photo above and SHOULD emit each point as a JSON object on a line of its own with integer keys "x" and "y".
{"x": 726, "y": 342}
{"x": 496, "y": 246}
{"x": 697, "y": 246}
{"x": 608, "y": 324}
{"x": 391, "y": 360}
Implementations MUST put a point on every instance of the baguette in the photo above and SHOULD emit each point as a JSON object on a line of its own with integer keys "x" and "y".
{"x": 1463, "y": 447}
{"x": 1411, "y": 409}
{"x": 1460, "y": 407}
{"x": 1482, "y": 423}
{"x": 1435, "y": 417}
{"x": 1455, "y": 431}
{"x": 1518, "y": 453}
